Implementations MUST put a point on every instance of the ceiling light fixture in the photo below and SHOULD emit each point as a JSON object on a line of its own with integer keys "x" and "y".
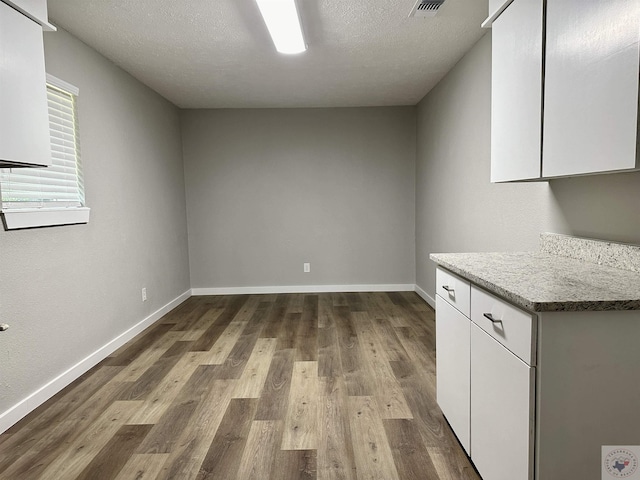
{"x": 283, "y": 22}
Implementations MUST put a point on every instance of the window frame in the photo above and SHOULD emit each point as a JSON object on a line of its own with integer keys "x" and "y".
{"x": 30, "y": 216}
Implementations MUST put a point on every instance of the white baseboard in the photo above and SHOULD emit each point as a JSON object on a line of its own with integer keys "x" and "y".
{"x": 22, "y": 408}
{"x": 303, "y": 289}
{"x": 426, "y": 297}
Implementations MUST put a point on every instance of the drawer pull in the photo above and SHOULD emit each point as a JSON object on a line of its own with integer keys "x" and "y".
{"x": 448, "y": 288}
{"x": 490, "y": 317}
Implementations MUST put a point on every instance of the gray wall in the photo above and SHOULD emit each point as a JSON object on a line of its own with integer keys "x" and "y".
{"x": 270, "y": 189}
{"x": 66, "y": 291}
{"x": 459, "y": 210}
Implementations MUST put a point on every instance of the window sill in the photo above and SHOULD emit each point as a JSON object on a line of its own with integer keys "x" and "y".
{"x": 15, "y": 219}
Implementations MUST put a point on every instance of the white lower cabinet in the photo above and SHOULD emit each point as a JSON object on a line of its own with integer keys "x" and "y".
{"x": 486, "y": 377}
{"x": 502, "y": 410}
{"x": 453, "y": 388}
{"x": 535, "y": 396}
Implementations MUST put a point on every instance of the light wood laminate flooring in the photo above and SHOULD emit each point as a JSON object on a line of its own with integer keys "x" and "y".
{"x": 293, "y": 386}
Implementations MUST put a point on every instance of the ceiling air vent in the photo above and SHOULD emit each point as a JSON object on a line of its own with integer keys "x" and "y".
{"x": 426, "y": 8}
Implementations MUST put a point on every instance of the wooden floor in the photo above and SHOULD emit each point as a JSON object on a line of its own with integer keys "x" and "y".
{"x": 327, "y": 386}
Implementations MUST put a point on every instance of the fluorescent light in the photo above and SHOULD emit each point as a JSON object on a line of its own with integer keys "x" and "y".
{"x": 283, "y": 22}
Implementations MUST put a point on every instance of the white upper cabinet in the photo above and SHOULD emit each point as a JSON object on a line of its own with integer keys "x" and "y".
{"x": 496, "y": 7}
{"x": 34, "y": 9}
{"x": 24, "y": 120}
{"x": 565, "y": 103}
{"x": 591, "y": 87}
{"x": 516, "y": 105}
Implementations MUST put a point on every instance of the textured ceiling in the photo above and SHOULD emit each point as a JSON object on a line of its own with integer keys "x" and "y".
{"x": 218, "y": 53}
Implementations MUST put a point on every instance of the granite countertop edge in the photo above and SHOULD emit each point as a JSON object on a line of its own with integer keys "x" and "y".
{"x": 585, "y": 304}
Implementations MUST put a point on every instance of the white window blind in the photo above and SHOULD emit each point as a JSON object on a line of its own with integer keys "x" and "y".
{"x": 59, "y": 185}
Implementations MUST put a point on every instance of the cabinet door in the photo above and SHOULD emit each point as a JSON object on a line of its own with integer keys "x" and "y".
{"x": 516, "y": 92}
{"x": 591, "y": 86}
{"x": 24, "y": 123}
{"x": 502, "y": 407}
{"x": 452, "y": 368}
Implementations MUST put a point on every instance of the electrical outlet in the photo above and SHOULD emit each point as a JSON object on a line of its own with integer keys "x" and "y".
{"x": 306, "y": 267}
{"x": 144, "y": 294}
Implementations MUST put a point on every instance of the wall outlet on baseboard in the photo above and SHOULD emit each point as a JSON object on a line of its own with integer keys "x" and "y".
{"x": 144, "y": 294}
{"x": 306, "y": 267}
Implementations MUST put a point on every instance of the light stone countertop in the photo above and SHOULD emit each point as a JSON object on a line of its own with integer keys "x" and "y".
{"x": 547, "y": 282}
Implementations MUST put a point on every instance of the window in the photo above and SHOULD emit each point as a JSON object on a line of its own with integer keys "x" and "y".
{"x": 38, "y": 197}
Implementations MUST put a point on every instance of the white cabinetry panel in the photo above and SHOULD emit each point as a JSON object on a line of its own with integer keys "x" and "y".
{"x": 452, "y": 376}
{"x": 502, "y": 410}
{"x": 516, "y": 98}
{"x": 24, "y": 123}
{"x": 591, "y": 86}
{"x": 588, "y": 380}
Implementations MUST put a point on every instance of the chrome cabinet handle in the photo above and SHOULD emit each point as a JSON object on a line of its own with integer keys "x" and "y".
{"x": 448, "y": 288}
{"x": 490, "y": 317}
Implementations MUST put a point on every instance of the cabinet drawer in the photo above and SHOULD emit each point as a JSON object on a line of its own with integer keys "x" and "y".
{"x": 512, "y": 327}
{"x": 454, "y": 290}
